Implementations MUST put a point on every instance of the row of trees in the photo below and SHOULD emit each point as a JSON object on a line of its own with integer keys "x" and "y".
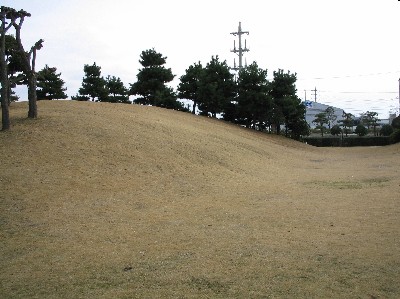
{"x": 368, "y": 122}
{"x": 251, "y": 100}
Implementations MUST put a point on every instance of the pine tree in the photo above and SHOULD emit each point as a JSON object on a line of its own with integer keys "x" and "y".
{"x": 286, "y": 103}
{"x": 50, "y": 85}
{"x": 93, "y": 85}
{"x": 347, "y": 122}
{"x": 321, "y": 120}
{"x": 117, "y": 91}
{"x": 253, "y": 102}
{"x": 216, "y": 88}
{"x": 188, "y": 87}
{"x": 151, "y": 82}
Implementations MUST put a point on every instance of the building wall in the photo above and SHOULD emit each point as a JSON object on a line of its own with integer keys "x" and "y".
{"x": 313, "y": 108}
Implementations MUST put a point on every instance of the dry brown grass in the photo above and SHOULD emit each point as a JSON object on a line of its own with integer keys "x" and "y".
{"x": 125, "y": 201}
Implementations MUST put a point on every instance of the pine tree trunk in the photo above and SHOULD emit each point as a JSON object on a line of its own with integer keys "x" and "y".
{"x": 5, "y": 120}
{"x": 4, "y": 83}
{"x": 194, "y": 107}
{"x": 32, "y": 96}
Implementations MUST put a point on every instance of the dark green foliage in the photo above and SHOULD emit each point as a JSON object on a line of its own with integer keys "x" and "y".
{"x": 321, "y": 120}
{"x": 188, "y": 87}
{"x": 216, "y": 88}
{"x": 82, "y": 98}
{"x": 14, "y": 67}
{"x": 386, "y": 130}
{"x": 361, "y": 130}
{"x": 13, "y": 97}
{"x": 117, "y": 93}
{"x": 347, "y": 122}
{"x": 299, "y": 128}
{"x": 396, "y": 122}
{"x": 285, "y": 101}
{"x": 14, "y": 59}
{"x": 370, "y": 119}
{"x": 336, "y": 130}
{"x": 167, "y": 98}
{"x": 50, "y": 85}
{"x": 330, "y": 116}
{"x": 231, "y": 112}
{"x": 151, "y": 81}
{"x": 348, "y": 141}
{"x": 395, "y": 136}
{"x": 260, "y": 104}
{"x": 287, "y": 107}
{"x": 254, "y": 104}
{"x": 294, "y": 113}
{"x": 93, "y": 85}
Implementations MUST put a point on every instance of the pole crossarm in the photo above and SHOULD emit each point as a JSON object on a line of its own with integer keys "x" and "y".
{"x": 240, "y": 50}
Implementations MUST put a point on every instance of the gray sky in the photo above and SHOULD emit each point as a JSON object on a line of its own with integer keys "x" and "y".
{"x": 347, "y": 49}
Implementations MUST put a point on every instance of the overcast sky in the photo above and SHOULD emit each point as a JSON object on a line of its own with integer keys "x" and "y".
{"x": 347, "y": 49}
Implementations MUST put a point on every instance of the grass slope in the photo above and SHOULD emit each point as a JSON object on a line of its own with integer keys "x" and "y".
{"x": 126, "y": 201}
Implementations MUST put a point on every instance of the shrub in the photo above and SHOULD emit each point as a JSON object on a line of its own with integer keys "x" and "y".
{"x": 336, "y": 130}
{"x": 386, "y": 130}
{"x": 361, "y": 130}
{"x": 396, "y": 122}
{"x": 395, "y": 136}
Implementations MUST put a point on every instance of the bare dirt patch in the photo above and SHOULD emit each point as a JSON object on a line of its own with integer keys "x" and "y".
{"x": 125, "y": 201}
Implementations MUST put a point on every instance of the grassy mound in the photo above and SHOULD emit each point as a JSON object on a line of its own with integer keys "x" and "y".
{"x": 126, "y": 201}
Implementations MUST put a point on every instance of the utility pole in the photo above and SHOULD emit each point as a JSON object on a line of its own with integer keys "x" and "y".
{"x": 239, "y": 51}
{"x": 315, "y": 94}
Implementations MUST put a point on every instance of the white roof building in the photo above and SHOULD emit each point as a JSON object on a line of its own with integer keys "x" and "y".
{"x": 313, "y": 108}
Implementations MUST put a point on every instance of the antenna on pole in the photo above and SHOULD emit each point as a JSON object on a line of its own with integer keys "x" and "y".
{"x": 239, "y": 51}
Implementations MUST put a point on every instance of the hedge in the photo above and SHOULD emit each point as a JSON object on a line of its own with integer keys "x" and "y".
{"x": 348, "y": 141}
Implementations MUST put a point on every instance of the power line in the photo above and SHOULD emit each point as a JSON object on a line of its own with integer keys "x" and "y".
{"x": 350, "y": 76}
{"x": 364, "y": 92}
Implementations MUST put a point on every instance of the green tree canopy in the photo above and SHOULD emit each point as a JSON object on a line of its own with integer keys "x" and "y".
{"x": 336, "y": 130}
{"x": 50, "y": 85}
{"x": 396, "y": 122}
{"x": 254, "y": 102}
{"x": 93, "y": 85}
{"x": 217, "y": 87}
{"x": 361, "y": 130}
{"x": 188, "y": 87}
{"x": 295, "y": 112}
{"x": 14, "y": 66}
{"x": 285, "y": 101}
{"x": 117, "y": 92}
{"x": 152, "y": 79}
{"x": 347, "y": 122}
{"x": 386, "y": 130}
{"x": 370, "y": 119}
{"x": 321, "y": 120}
{"x": 330, "y": 116}
{"x": 167, "y": 98}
